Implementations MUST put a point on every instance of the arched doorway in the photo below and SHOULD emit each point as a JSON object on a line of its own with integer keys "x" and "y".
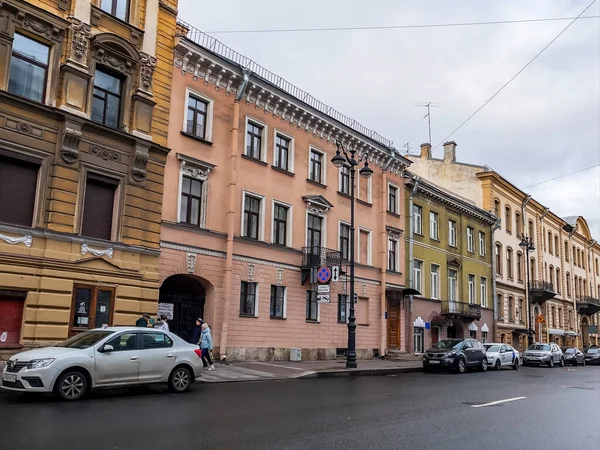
{"x": 188, "y": 296}
{"x": 455, "y": 331}
{"x": 585, "y": 332}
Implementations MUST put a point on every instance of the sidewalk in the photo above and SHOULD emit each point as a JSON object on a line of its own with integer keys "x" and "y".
{"x": 285, "y": 370}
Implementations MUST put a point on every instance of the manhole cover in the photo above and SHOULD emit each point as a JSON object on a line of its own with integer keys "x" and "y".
{"x": 580, "y": 387}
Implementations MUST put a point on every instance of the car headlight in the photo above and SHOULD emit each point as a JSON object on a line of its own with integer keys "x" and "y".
{"x": 39, "y": 363}
{"x": 450, "y": 355}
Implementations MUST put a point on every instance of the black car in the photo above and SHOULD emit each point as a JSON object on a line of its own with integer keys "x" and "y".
{"x": 574, "y": 356}
{"x": 455, "y": 354}
{"x": 592, "y": 355}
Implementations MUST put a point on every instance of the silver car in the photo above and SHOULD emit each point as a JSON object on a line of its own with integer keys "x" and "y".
{"x": 105, "y": 357}
{"x": 544, "y": 354}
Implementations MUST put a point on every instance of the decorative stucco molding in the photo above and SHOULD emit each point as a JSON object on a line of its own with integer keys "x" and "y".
{"x": 96, "y": 252}
{"x": 279, "y": 276}
{"x": 70, "y": 143}
{"x": 147, "y": 66}
{"x": 140, "y": 160}
{"x": 250, "y": 272}
{"x": 485, "y": 328}
{"x": 419, "y": 323}
{"x": 27, "y": 240}
{"x": 80, "y": 41}
{"x": 473, "y": 327}
{"x": 191, "y": 262}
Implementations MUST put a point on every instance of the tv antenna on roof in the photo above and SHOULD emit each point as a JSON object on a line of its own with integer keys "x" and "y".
{"x": 428, "y": 105}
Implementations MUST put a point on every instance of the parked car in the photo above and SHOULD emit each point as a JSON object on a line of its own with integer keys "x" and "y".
{"x": 544, "y": 354}
{"x": 455, "y": 354}
{"x": 501, "y": 355}
{"x": 592, "y": 355}
{"x": 105, "y": 357}
{"x": 573, "y": 356}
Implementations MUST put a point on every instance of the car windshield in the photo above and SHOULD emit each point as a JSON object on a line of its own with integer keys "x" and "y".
{"x": 492, "y": 348}
{"x": 448, "y": 343}
{"x": 569, "y": 350}
{"x": 593, "y": 350}
{"x": 85, "y": 339}
{"x": 544, "y": 347}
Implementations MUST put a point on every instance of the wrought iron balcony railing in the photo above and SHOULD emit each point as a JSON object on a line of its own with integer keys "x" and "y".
{"x": 454, "y": 308}
{"x": 588, "y": 305}
{"x": 541, "y": 286}
{"x": 320, "y": 256}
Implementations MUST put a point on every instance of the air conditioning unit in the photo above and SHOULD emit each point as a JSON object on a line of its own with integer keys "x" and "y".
{"x": 295, "y": 354}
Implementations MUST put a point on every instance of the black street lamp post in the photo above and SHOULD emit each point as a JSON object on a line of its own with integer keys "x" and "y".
{"x": 339, "y": 160}
{"x": 527, "y": 245}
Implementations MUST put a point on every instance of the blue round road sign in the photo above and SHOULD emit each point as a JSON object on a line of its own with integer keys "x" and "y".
{"x": 324, "y": 275}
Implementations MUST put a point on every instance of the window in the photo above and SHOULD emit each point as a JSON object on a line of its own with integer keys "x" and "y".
{"x": 434, "y": 225}
{"x": 282, "y": 152}
{"x": 553, "y": 317}
{"x": 191, "y": 200}
{"x": 418, "y": 340}
{"x": 124, "y": 342}
{"x": 418, "y": 219}
{"x": 532, "y": 269}
{"x": 597, "y": 267}
{"x": 498, "y": 259}
{"x": 472, "y": 296}
{"x": 484, "y": 337}
{"x": 28, "y": 68}
{"x": 364, "y": 246}
{"x": 392, "y": 199}
{"x": 473, "y": 334}
{"x": 435, "y": 281}
{"x": 570, "y": 319}
{"x": 500, "y": 306}
{"x": 316, "y": 167}
{"x": 345, "y": 180}
{"x": 531, "y": 234}
{"x": 251, "y": 216}
{"x": 343, "y": 308}
{"x": 508, "y": 219}
{"x": 560, "y": 318}
{"x": 452, "y": 285}
{"x": 550, "y": 274}
{"x": 345, "y": 241}
{"x": 521, "y": 311}
{"x": 392, "y": 255}
{"x": 566, "y": 251}
{"x": 558, "y": 281}
{"x": 483, "y": 291}
{"x": 280, "y": 224}
{"x": 98, "y": 207}
{"x": 482, "y": 243}
{"x": 509, "y": 263}
{"x": 118, "y": 8}
{"x": 568, "y": 280}
{"x": 452, "y": 233}
{"x": 497, "y": 208}
{"x": 550, "y": 243}
{"x": 470, "y": 237}
{"x": 92, "y": 307}
{"x": 152, "y": 340}
{"x": 277, "y": 302}
{"x": 313, "y": 231}
{"x": 254, "y": 140}
{"x": 511, "y": 308}
{"x": 519, "y": 266}
{"x": 518, "y": 224}
{"x": 18, "y": 186}
{"x": 418, "y": 275}
{"x": 106, "y": 101}
{"x": 248, "y": 299}
{"x": 197, "y": 112}
{"x": 312, "y": 306}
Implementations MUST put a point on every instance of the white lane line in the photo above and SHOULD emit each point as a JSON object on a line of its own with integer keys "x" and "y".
{"x": 497, "y": 402}
{"x": 279, "y": 366}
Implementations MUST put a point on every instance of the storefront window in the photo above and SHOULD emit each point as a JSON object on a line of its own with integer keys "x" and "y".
{"x": 92, "y": 307}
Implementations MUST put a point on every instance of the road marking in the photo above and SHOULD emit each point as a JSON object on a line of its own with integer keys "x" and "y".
{"x": 497, "y": 402}
{"x": 281, "y": 367}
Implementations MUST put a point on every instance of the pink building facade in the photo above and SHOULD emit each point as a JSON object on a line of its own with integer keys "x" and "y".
{"x": 253, "y": 205}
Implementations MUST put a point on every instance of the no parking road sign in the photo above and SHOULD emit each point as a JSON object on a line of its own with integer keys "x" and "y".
{"x": 324, "y": 275}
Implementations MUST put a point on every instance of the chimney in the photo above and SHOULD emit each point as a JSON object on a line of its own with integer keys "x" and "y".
{"x": 426, "y": 150}
{"x": 450, "y": 152}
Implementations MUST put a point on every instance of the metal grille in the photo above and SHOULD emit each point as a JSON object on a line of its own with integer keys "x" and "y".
{"x": 320, "y": 256}
{"x": 14, "y": 368}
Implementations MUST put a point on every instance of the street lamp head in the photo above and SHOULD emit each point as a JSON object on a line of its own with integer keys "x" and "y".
{"x": 524, "y": 244}
{"x": 366, "y": 171}
{"x": 338, "y": 160}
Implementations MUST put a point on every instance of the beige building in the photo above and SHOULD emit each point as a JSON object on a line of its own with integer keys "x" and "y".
{"x": 253, "y": 207}
{"x": 564, "y": 294}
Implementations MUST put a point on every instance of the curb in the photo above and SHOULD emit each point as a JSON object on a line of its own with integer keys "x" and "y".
{"x": 360, "y": 372}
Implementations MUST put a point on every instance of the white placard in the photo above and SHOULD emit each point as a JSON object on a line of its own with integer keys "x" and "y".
{"x": 323, "y": 298}
{"x": 3, "y": 336}
{"x": 335, "y": 274}
{"x": 166, "y": 309}
{"x": 324, "y": 288}
{"x": 102, "y": 308}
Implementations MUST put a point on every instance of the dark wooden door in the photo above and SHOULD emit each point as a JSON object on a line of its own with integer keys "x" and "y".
{"x": 11, "y": 316}
{"x": 393, "y": 324}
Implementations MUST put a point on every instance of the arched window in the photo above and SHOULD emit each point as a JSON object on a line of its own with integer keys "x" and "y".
{"x": 518, "y": 224}
{"x": 550, "y": 250}
{"x": 498, "y": 259}
{"x": 531, "y": 231}
{"x": 568, "y": 279}
{"x": 556, "y": 245}
{"x": 578, "y": 260}
{"x": 511, "y": 308}
{"x": 566, "y": 251}
{"x": 508, "y": 219}
{"x": 500, "y": 305}
{"x": 532, "y": 269}
{"x": 521, "y": 311}
{"x": 558, "y": 281}
{"x": 497, "y": 208}
{"x": 509, "y": 262}
{"x": 551, "y": 275}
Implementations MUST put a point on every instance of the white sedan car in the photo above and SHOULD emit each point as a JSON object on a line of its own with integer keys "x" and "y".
{"x": 501, "y": 355}
{"x": 105, "y": 357}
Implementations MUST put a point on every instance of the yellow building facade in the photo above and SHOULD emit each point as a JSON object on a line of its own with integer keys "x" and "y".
{"x": 85, "y": 89}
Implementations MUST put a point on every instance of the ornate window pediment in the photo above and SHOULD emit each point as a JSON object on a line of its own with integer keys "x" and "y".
{"x": 195, "y": 168}
{"x": 317, "y": 204}
{"x": 394, "y": 234}
{"x": 34, "y": 20}
{"x": 115, "y": 52}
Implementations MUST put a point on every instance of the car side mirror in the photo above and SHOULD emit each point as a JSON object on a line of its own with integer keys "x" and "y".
{"x": 106, "y": 348}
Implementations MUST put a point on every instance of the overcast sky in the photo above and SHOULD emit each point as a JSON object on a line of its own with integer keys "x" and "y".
{"x": 545, "y": 124}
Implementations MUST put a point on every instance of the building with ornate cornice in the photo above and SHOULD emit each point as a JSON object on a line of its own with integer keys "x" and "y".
{"x": 564, "y": 303}
{"x": 84, "y": 109}
{"x": 449, "y": 256}
{"x": 253, "y": 207}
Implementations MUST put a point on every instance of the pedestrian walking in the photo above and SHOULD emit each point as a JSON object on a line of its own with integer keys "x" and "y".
{"x": 206, "y": 345}
{"x": 195, "y": 332}
{"x": 162, "y": 323}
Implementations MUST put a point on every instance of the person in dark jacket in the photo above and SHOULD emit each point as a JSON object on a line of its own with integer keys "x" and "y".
{"x": 195, "y": 339}
{"x": 144, "y": 321}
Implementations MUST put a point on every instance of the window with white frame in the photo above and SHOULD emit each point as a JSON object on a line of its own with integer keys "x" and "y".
{"x": 481, "y": 243}
{"x": 248, "y": 299}
{"x": 193, "y": 190}
{"x": 472, "y": 294}
{"x": 255, "y": 139}
{"x": 483, "y": 291}
{"x": 198, "y": 117}
{"x": 435, "y": 281}
{"x": 312, "y": 306}
{"x": 344, "y": 180}
{"x": 344, "y": 246}
{"x": 253, "y": 216}
{"x": 364, "y": 246}
{"x": 452, "y": 285}
{"x": 418, "y": 219}
{"x": 281, "y": 224}
{"x": 284, "y": 152}
{"x": 452, "y": 233}
{"x": 316, "y": 166}
{"x": 392, "y": 255}
{"x": 278, "y": 297}
{"x": 314, "y": 232}
{"x": 419, "y": 339}
{"x": 418, "y": 275}
{"x": 470, "y": 239}
{"x": 393, "y": 199}
{"x": 434, "y": 225}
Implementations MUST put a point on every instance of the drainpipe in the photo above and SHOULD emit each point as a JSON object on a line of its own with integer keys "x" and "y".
{"x": 383, "y": 246}
{"x": 492, "y": 241}
{"x": 411, "y": 263}
{"x": 230, "y": 217}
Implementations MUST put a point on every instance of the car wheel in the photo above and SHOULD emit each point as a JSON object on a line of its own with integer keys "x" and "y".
{"x": 484, "y": 365}
{"x": 551, "y": 363}
{"x": 462, "y": 366}
{"x": 562, "y": 362}
{"x": 497, "y": 365}
{"x": 516, "y": 364}
{"x": 180, "y": 379}
{"x": 71, "y": 385}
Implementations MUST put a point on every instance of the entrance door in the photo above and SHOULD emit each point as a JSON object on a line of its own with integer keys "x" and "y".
{"x": 11, "y": 316}
{"x": 187, "y": 295}
{"x": 452, "y": 332}
{"x": 393, "y": 323}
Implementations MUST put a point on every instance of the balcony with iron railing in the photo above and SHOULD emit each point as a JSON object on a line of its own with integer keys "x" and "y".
{"x": 588, "y": 305}
{"x": 541, "y": 291}
{"x": 460, "y": 310}
{"x": 314, "y": 257}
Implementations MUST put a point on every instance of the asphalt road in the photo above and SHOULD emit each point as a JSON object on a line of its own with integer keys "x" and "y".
{"x": 411, "y": 411}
